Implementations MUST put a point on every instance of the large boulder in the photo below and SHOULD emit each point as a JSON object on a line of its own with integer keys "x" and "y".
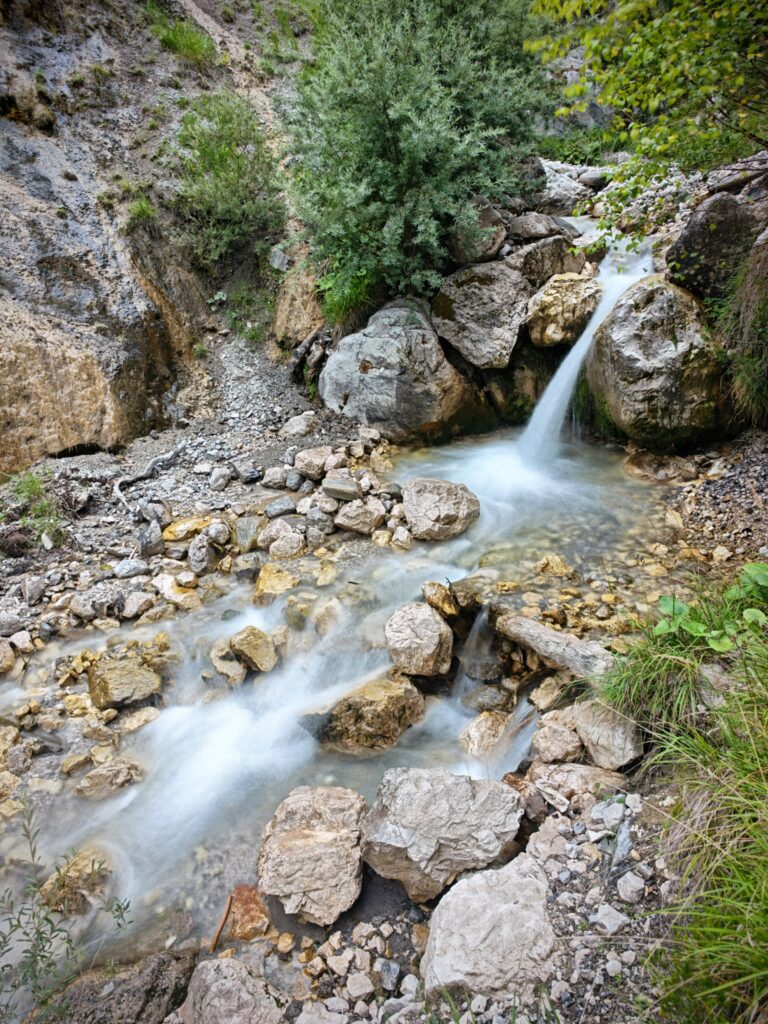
{"x": 585, "y": 658}
{"x": 653, "y": 369}
{"x": 394, "y": 376}
{"x": 438, "y": 509}
{"x": 491, "y": 935}
{"x": 708, "y": 251}
{"x": 539, "y": 260}
{"x": 560, "y": 311}
{"x": 372, "y": 717}
{"x": 479, "y": 310}
{"x": 419, "y": 641}
{"x": 228, "y": 992}
{"x": 612, "y": 740}
{"x": 310, "y": 856}
{"x": 428, "y": 826}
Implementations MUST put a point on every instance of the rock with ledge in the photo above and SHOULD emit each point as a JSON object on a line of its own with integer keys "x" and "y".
{"x": 114, "y": 683}
{"x": 585, "y": 658}
{"x": 539, "y": 260}
{"x": 479, "y": 310}
{"x": 559, "y": 312}
{"x": 419, "y": 641}
{"x": 372, "y": 717}
{"x": 394, "y": 376}
{"x": 310, "y": 857}
{"x": 491, "y": 935}
{"x": 654, "y": 370}
{"x": 438, "y": 509}
{"x": 255, "y": 648}
{"x": 428, "y": 826}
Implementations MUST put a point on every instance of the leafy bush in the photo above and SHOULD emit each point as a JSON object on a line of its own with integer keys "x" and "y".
{"x": 227, "y": 192}
{"x": 410, "y": 110}
{"x": 181, "y": 36}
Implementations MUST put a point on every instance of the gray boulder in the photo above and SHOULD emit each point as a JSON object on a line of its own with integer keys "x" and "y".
{"x": 474, "y": 247}
{"x": 420, "y": 642}
{"x": 438, "y": 509}
{"x": 479, "y": 310}
{"x": 428, "y": 826}
{"x": 707, "y": 252}
{"x": 227, "y": 992}
{"x": 653, "y": 369}
{"x": 491, "y": 935}
{"x": 539, "y": 260}
{"x": 393, "y": 375}
{"x": 560, "y": 311}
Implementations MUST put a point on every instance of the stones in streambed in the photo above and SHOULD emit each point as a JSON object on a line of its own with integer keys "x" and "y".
{"x": 479, "y": 310}
{"x": 255, "y": 648}
{"x": 559, "y": 312}
{"x": 310, "y": 855}
{"x": 78, "y": 884}
{"x": 115, "y": 683}
{"x": 249, "y": 916}
{"x": 394, "y": 376}
{"x": 491, "y": 935}
{"x": 227, "y": 664}
{"x": 653, "y": 368}
{"x": 227, "y": 992}
{"x": 585, "y": 658}
{"x": 419, "y": 641}
{"x": 372, "y": 717}
{"x": 438, "y": 509}
{"x": 427, "y": 826}
{"x": 273, "y": 581}
{"x": 361, "y": 516}
{"x": 107, "y": 778}
{"x": 484, "y": 733}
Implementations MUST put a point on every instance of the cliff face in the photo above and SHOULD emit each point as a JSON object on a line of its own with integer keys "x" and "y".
{"x": 97, "y": 321}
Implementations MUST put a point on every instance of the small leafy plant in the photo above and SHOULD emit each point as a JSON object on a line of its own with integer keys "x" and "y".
{"x": 40, "y": 510}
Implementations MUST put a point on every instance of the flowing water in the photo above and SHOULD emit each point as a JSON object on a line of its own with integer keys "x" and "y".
{"x": 219, "y": 761}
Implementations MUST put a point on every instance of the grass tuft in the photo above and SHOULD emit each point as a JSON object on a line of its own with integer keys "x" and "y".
{"x": 181, "y": 36}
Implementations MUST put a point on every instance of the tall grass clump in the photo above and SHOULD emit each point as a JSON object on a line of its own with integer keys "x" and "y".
{"x": 227, "y": 195}
{"x": 181, "y": 36}
{"x": 709, "y": 734}
{"x": 409, "y": 110}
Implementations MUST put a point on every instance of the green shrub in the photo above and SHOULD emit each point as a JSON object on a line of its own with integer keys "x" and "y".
{"x": 40, "y": 509}
{"x": 227, "y": 193}
{"x": 140, "y": 211}
{"x": 181, "y": 36}
{"x": 409, "y": 111}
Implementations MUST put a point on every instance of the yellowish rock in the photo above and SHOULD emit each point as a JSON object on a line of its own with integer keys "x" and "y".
{"x": 272, "y": 582}
{"x": 553, "y": 565}
{"x": 185, "y": 529}
{"x": 255, "y": 648}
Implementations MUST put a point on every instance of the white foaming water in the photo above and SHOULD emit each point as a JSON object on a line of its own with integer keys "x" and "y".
{"x": 540, "y": 440}
{"x": 217, "y": 769}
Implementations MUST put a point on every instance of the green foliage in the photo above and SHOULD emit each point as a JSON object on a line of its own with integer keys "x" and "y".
{"x": 40, "y": 510}
{"x": 227, "y": 193}
{"x": 250, "y": 311}
{"x": 140, "y": 211}
{"x": 579, "y": 145}
{"x": 410, "y": 110}
{"x": 181, "y": 36}
{"x": 686, "y": 79}
{"x": 39, "y": 952}
{"x": 200, "y": 351}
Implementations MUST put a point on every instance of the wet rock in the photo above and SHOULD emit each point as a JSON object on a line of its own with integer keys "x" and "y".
{"x": 653, "y": 369}
{"x": 419, "y": 641}
{"x": 484, "y": 732}
{"x": 7, "y": 657}
{"x": 428, "y": 826}
{"x": 255, "y": 648}
{"x": 491, "y": 935}
{"x": 559, "y": 312}
{"x": 182, "y": 597}
{"x": 248, "y": 916}
{"x": 540, "y": 260}
{"x": 113, "y": 684}
{"x": 372, "y": 717}
{"x": 246, "y": 531}
{"x": 108, "y": 778}
{"x": 361, "y": 516}
{"x": 78, "y": 885}
{"x": 438, "y": 509}
{"x": 143, "y": 993}
{"x": 228, "y": 992}
{"x": 716, "y": 239}
{"x": 442, "y": 599}
{"x": 479, "y": 310}
{"x": 585, "y": 658}
{"x": 226, "y": 664}
{"x": 310, "y": 856}
{"x": 273, "y": 581}
{"x": 394, "y": 376}
{"x": 285, "y": 506}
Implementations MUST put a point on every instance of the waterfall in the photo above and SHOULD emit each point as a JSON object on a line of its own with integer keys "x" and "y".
{"x": 540, "y": 440}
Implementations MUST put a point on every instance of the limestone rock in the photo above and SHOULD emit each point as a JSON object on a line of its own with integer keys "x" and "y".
{"x": 108, "y": 778}
{"x": 653, "y": 369}
{"x": 226, "y": 664}
{"x": 7, "y": 657}
{"x": 484, "y": 732}
{"x": 556, "y": 738}
{"x": 393, "y": 375}
{"x": 419, "y": 641}
{"x": 255, "y": 648}
{"x": 561, "y": 192}
{"x": 311, "y": 462}
{"x": 479, "y": 310}
{"x": 585, "y": 658}
{"x": 183, "y": 597}
{"x": 78, "y": 884}
{"x": 612, "y": 740}
{"x": 428, "y": 826}
{"x": 535, "y": 226}
{"x": 114, "y": 683}
{"x": 491, "y": 935}
{"x": 559, "y": 312}
{"x": 479, "y": 248}
{"x": 361, "y": 516}
{"x": 299, "y": 426}
{"x": 297, "y": 310}
{"x": 227, "y": 992}
{"x": 574, "y": 782}
{"x": 716, "y": 239}
{"x": 372, "y": 716}
{"x": 540, "y": 260}
{"x": 272, "y": 582}
{"x": 438, "y": 509}
{"x": 310, "y": 856}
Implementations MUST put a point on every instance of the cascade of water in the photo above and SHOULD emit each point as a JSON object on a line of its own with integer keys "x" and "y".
{"x": 619, "y": 270}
